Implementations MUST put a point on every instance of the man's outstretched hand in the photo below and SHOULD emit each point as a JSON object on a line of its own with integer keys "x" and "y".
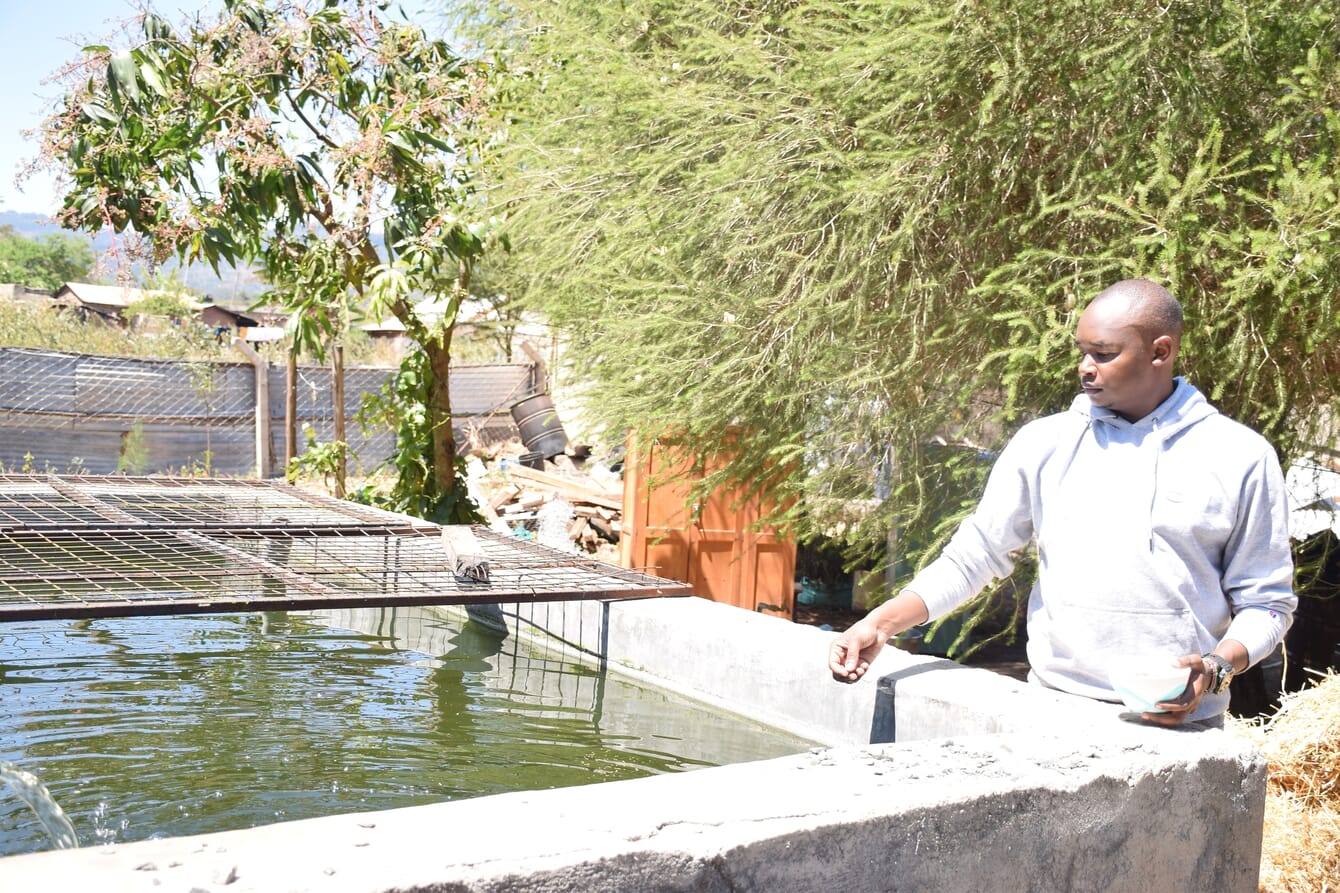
{"x": 851, "y": 653}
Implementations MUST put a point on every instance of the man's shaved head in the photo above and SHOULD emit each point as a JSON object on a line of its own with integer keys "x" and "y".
{"x": 1127, "y": 339}
{"x": 1148, "y": 306}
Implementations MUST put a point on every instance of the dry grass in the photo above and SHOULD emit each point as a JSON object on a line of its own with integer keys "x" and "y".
{"x": 1301, "y": 742}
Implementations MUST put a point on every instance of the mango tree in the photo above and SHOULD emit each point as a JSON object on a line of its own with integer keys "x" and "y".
{"x": 326, "y": 144}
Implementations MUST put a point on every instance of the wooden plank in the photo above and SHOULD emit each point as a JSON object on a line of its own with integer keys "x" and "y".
{"x": 572, "y": 489}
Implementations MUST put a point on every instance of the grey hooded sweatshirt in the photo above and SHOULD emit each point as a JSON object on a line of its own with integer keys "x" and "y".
{"x": 1159, "y": 537}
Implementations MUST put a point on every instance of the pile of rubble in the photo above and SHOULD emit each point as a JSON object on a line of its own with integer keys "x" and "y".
{"x": 571, "y": 502}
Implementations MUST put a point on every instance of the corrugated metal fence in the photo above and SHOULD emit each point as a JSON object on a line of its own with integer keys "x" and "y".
{"x": 66, "y": 412}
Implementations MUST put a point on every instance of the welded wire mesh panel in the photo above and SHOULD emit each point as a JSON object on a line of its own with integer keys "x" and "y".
{"x": 37, "y": 381}
{"x": 96, "y": 547}
{"x": 90, "y": 566}
{"x": 546, "y": 676}
{"x": 409, "y": 564}
{"x": 480, "y": 390}
{"x": 34, "y": 502}
{"x": 475, "y": 390}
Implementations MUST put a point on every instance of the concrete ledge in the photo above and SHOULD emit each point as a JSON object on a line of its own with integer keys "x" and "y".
{"x": 989, "y": 785}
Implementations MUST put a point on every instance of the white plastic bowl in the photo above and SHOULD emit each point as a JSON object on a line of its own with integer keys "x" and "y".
{"x": 1145, "y": 681}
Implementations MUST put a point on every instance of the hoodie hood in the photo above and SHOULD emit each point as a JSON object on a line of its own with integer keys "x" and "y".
{"x": 1184, "y": 407}
{"x": 1104, "y": 429}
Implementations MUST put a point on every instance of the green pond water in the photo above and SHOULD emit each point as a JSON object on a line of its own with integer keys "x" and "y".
{"x": 153, "y": 727}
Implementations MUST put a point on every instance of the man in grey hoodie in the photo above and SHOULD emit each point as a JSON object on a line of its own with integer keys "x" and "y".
{"x": 1161, "y": 526}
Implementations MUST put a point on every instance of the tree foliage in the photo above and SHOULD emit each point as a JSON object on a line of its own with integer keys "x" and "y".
{"x": 842, "y": 230}
{"x": 323, "y": 141}
{"x": 172, "y": 305}
{"x": 46, "y": 263}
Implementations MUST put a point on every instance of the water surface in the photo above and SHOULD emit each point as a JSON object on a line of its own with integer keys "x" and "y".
{"x": 149, "y": 727}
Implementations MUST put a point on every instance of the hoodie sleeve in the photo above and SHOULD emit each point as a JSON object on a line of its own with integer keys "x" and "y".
{"x": 981, "y": 549}
{"x": 1258, "y": 564}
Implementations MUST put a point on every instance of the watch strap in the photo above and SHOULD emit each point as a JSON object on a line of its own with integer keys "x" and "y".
{"x": 1221, "y": 672}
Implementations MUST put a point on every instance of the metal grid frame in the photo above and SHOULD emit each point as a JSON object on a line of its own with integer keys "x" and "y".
{"x": 91, "y": 546}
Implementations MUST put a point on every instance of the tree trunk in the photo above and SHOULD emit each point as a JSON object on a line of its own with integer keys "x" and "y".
{"x": 439, "y": 390}
{"x": 439, "y": 414}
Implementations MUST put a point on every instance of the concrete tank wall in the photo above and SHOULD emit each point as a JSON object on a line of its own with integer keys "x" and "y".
{"x": 930, "y": 777}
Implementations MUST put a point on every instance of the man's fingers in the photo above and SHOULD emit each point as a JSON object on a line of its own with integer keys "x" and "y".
{"x": 1182, "y": 706}
{"x": 1162, "y": 719}
{"x": 844, "y": 660}
{"x": 842, "y": 653}
{"x": 1187, "y": 696}
{"x": 837, "y": 658}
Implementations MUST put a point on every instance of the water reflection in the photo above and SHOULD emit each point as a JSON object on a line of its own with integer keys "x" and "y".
{"x": 166, "y": 726}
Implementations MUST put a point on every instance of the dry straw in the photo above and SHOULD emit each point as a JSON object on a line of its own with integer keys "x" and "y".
{"x": 1301, "y": 742}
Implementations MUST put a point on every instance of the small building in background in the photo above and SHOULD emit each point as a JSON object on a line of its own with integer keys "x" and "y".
{"x": 253, "y": 326}
{"x": 226, "y": 321}
{"x": 110, "y": 303}
{"x": 105, "y": 303}
{"x": 390, "y": 332}
{"x": 22, "y": 294}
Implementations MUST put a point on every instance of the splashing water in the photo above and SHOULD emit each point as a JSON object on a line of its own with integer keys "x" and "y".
{"x": 32, "y": 792}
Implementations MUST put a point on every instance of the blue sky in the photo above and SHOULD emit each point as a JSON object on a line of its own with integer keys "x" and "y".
{"x": 41, "y": 35}
{"x": 39, "y": 38}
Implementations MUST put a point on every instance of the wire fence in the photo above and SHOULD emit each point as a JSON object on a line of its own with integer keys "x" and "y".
{"x": 77, "y": 413}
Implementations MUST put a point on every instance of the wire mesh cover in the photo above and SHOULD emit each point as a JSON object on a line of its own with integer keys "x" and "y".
{"x": 120, "y": 546}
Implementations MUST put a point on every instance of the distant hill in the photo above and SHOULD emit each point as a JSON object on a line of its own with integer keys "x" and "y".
{"x": 229, "y": 286}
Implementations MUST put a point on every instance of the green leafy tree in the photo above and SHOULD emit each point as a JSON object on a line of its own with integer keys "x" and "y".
{"x": 838, "y": 232}
{"x": 322, "y": 141}
{"x": 161, "y": 303}
{"x": 46, "y": 263}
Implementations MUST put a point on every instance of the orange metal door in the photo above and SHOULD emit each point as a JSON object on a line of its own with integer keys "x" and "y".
{"x": 710, "y": 545}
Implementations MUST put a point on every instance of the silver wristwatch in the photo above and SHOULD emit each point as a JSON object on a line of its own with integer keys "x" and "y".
{"x": 1221, "y": 672}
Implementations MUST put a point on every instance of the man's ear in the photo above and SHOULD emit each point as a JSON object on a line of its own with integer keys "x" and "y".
{"x": 1165, "y": 350}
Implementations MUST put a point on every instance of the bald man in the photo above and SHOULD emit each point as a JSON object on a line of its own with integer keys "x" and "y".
{"x": 1161, "y": 527}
